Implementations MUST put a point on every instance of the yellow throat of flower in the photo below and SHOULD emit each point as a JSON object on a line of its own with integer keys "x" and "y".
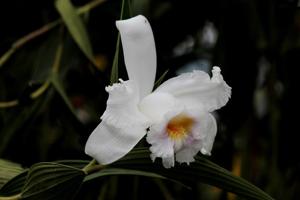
{"x": 179, "y": 126}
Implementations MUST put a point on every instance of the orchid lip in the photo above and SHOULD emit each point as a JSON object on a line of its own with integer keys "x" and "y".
{"x": 179, "y": 126}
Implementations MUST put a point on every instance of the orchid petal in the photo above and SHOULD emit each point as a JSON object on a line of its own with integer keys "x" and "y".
{"x": 186, "y": 155}
{"x": 122, "y": 127}
{"x": 168, "y": 162}
{"x": 162, "y": 146}
{"x": 199, "y": 138}
{"x": 122, "y": 105}
{"x": 156, "y": 105}
{"x": 198, "y": 90}
{"x": 108, "y": 143}
{"x": 203, "y": 133}
{"x": 209, "y": 127}
{"x": 139, "y": 52}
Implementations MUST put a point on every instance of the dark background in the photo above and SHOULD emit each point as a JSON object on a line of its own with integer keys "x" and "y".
{"x": 257, "y": 48}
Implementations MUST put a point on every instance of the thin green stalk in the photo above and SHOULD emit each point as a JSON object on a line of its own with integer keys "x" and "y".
{"x": 92, "y": 167}
{"x": 14, "y": 197}
{"x": 43, "y": 88}
{"x": 115, "y": 66}
{"x": 44, "y": 29}
{"x": 25, "y": 39}
{"x": 35, "y": 94}
{"x": 56, "y": 63}
{"x": 40, "y": 90}
{"x": 89, "y": 6}
{"x": 8, "y": 104}
{"x": 114, "y": 70}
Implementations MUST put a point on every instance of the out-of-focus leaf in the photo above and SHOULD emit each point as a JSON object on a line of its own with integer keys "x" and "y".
{"x": 202, "y": 170}
{"x": 17, "y": 122}
{"x": 8, "y": 170}
{"x": 57, "y": 83}
{"x": 76, "y": 27}
{"x": 52, "y": 181}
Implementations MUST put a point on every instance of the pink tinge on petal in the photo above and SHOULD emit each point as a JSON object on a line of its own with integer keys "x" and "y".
{"x": 182, "y": 135}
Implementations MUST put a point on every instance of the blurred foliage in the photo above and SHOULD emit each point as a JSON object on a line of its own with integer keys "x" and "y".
{"x": 52, "y": 91}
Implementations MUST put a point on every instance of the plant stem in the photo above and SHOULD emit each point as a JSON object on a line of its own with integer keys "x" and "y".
{"x": 57, "y": 58}
{"x": 8, "y": 104}
{"x": 35, "y": 94}
{"x": 44, "y": 29}
{"x": 40, "y": 90}
{"x": 89, "y": 6}
{"x": 43, "y": 88}
{"x": 14, "y": 197}
{"x": 92, "y": 167}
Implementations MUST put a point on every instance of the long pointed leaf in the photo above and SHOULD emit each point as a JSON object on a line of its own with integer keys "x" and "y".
{"x": 52, "y": 181}
{"x": 17, "y": 122}
{"x": 14, "y": 186}
{"x": 125, "y": 13}
{"x": 160, "y": 80}
{"x": 76, "y": 27}
{"x": 8, "y": 170}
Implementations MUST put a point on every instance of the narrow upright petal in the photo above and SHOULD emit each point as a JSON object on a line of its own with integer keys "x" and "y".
{"x": 122, "y": 126}
{"x": 139, "y": 52}
{"x": 198, "y": 90}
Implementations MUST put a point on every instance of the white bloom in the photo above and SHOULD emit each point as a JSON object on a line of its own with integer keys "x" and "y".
{"x": 177, "y": 112}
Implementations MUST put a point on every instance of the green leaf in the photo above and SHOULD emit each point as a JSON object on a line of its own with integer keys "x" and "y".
{"x": 16, "y": 123}
{"x": 160, "y": 80}
{"x": 52, "y": 181}
{"x": 8, "y": 170}
{"x": 57, "y": 83}
{"x": 201, "y": 170}
{"x": 119, "y": 171}
{"x": 79, "y": 164}
{"x": 114, "y": 75}
{"x": 125, "y": 13}
{"x": 14, "y": 186}
{"x": 76, "y": 27}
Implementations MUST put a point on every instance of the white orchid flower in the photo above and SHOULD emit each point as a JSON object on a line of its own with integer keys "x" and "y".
{"x": 177, "y": 114}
